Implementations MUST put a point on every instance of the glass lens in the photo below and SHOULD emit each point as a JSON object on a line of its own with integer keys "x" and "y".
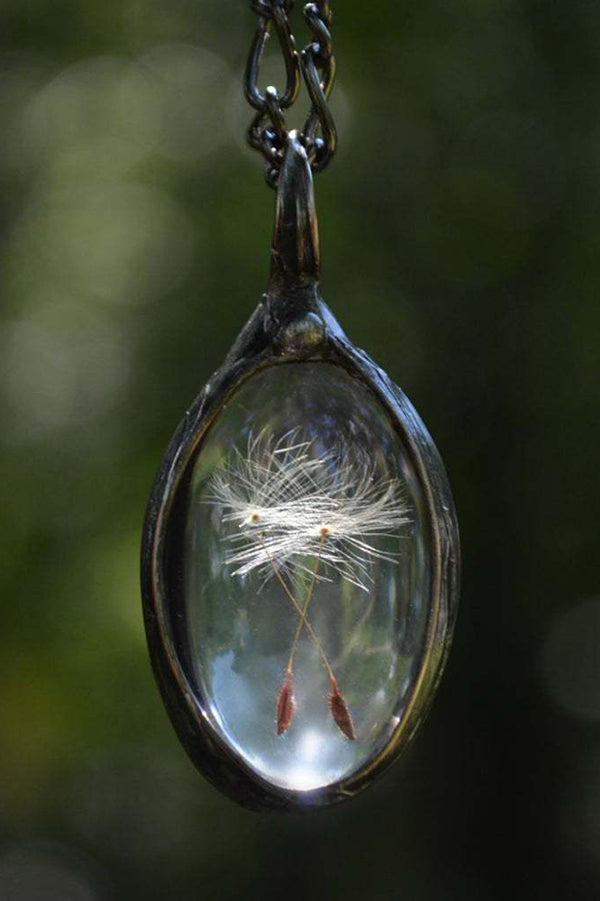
{"x": 305, "y": 580}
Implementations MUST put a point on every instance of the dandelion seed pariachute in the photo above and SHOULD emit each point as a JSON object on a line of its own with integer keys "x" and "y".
{"x": 281, "y": 495}
{"x": 289, "y": 506}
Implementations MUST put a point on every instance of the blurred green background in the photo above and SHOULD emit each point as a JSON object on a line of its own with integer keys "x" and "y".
{"x": 460, "y": 228}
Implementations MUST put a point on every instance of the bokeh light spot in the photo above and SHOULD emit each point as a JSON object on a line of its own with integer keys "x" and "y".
{"x": 63, "y": 367}
{"x": 570, "y": 660}
{"x": 45, "y": 874}
{"x": 127, "y": 243}
{"x": 171, "y": 101}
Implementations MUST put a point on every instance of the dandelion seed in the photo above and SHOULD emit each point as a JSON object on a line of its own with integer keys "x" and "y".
{"x": 340, "y": 712}
{"x": 284, "y": 498}
{"x": 285, "y": 705}
{"x": 289, "y": 506}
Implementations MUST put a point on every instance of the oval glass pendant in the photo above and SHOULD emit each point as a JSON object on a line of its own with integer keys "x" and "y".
{"x": 300, "y": 559}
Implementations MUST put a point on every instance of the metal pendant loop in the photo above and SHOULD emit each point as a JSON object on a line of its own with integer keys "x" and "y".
{"x": 295, "y": 253}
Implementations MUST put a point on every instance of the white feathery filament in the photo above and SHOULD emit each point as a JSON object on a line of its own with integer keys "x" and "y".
{"x": 284, "y": 499}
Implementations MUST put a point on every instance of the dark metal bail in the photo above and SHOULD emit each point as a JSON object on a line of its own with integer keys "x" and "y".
{"x": 295, "y": 255}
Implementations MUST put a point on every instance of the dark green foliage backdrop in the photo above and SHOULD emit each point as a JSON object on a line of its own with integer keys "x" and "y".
{"x": 460, "y": 232}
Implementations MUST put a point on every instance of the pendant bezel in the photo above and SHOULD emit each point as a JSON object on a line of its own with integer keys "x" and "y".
{"x": 292, "y": 324}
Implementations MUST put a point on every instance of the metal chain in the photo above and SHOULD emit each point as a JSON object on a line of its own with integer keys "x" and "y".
{"x": 268, "y": 131}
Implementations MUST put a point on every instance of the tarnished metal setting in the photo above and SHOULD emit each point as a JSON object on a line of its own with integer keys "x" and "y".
{"x": 268, "y": 132}
{"x": 291, "y": 325}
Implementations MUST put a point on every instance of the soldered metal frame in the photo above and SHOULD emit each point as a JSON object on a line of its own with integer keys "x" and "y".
{"x": 292, "y": 324}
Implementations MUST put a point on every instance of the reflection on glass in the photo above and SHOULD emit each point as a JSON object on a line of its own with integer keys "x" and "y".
{"x": 306, "y": 574}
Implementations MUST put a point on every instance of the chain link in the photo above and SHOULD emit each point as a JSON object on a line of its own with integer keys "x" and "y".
{"x": 316, "y": 64}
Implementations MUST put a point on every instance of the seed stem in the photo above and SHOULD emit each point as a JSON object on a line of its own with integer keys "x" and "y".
{"x": 301, "y": 613}
{"x": 309, "y": 595}
{"x": 285, "y": 703}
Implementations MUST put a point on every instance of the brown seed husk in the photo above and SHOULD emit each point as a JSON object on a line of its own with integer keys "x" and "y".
{"x": 285, "y": 705}
{"x": 340, "y": 712}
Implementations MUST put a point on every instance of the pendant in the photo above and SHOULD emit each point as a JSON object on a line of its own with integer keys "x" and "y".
{"x": 301, "y": 554}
